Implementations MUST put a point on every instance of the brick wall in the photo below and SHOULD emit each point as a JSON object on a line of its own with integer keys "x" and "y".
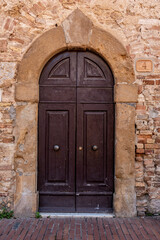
{"x": 136, "y": 24}
{"x": 148, "y": 145}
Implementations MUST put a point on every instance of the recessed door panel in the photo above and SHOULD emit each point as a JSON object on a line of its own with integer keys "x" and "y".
{"x": 58, "y": 146}
{"x": 94, "y": 131}
{"x": 76, "y": 132}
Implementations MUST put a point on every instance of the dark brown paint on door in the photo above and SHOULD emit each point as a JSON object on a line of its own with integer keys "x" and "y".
{"x": 76, "y": 134}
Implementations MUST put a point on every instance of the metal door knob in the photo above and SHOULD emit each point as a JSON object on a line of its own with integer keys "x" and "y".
{"x": 94, "y": 148}
{"x": 56, "y": 147}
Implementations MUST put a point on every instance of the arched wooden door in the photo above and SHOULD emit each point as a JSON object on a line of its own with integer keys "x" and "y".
{"x": 76, "y": 133}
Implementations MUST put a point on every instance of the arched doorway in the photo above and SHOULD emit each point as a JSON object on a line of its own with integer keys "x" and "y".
{"x": 48, "y": 44}
{"x": 76, "y": 134}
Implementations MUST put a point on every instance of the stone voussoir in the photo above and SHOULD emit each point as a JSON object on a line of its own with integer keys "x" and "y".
{"x": 41, "y": 50}
{"x": 77, "y": 28}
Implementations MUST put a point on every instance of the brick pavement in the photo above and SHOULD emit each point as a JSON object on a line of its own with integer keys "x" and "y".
{"x": 80, "y": 228}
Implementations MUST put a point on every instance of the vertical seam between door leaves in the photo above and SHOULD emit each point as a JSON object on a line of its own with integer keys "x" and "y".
{"x": 76, "y": 134}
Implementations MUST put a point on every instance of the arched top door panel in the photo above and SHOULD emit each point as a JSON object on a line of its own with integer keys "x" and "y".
{"x": 93, "y": 71}
{"x": 60, "y": 70}
{"x": 80, "y": 69}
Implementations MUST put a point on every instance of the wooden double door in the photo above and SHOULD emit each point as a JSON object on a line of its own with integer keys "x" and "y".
{"x": 76, "y": 133}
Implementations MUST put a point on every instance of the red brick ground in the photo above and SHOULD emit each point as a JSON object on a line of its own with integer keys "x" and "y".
{"x": 80, "y": 228}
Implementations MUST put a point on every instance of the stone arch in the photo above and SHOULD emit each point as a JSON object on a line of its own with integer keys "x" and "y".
{"x": 84, "y": 36}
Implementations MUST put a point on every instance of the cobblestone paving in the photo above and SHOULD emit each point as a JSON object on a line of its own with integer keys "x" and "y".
{"x": 80, "y": 228}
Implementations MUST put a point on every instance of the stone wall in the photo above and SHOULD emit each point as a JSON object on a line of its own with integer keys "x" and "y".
{"x": 137, "y": 26}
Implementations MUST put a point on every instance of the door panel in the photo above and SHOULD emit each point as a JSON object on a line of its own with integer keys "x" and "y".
{"x": 57, "y": 168}
{"x": 94, "y": 131}
{"x": 94, "y": 203}
{"x": 57, "y": 94}
{"x": 94, "y": 167}
{"x": 94, "y": 95}
{"x": 57, "y": 137}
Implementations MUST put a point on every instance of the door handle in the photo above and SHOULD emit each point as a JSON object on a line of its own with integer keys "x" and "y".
{"x": 56, "y": 148}
{"x": 94, "y": 148}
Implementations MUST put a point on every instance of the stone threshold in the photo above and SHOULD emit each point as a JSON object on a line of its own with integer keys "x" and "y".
{"x": 77, "y": 215}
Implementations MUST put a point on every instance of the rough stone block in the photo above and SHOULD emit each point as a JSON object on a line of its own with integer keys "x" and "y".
{"x": 77, "y": 28}
{"x": 154, "y": 206}
{"x": 25, "y": 204}
{"x": 125, "y": 198}
{"x": 125, "y": 140}
{"x": 27, "y": 92}
{"x": 126, "y": 93}
{"x": 26, "y": 138}
{"x": 25, "y": 182}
